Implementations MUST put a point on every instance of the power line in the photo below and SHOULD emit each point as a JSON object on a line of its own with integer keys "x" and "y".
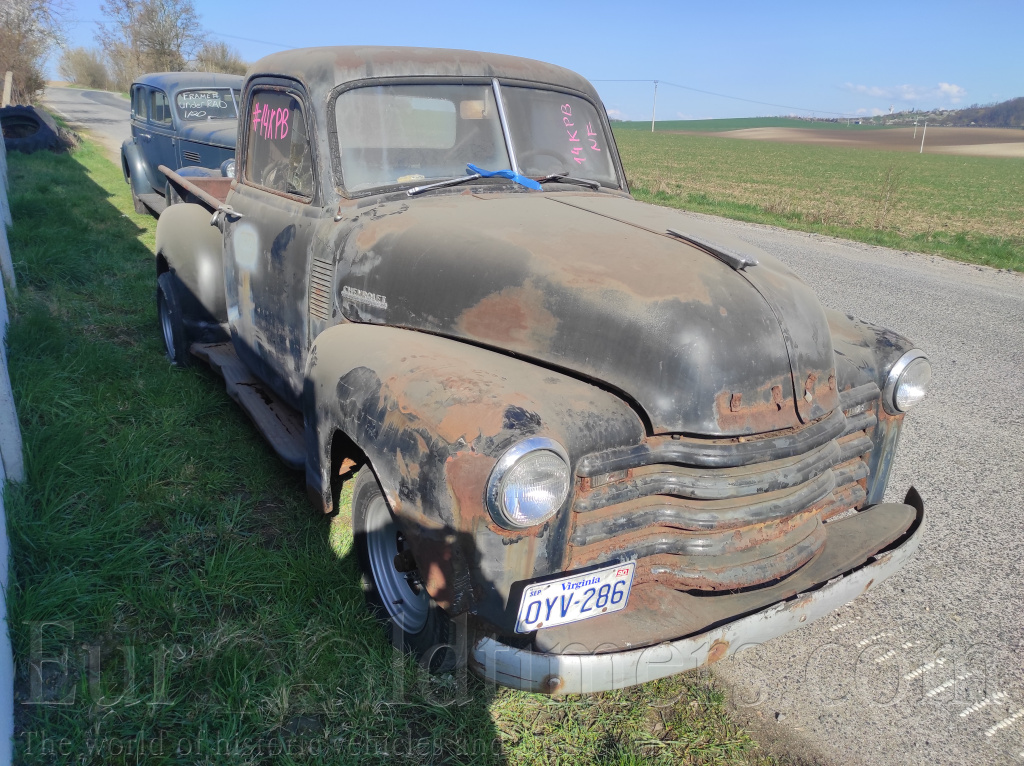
{"x": 261, "y": 42}
{"x": 736, "y": 98}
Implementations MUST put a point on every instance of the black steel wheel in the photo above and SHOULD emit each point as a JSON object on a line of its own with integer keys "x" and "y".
{"x": 397, "y": 598}
{"x": 172, "y": 323}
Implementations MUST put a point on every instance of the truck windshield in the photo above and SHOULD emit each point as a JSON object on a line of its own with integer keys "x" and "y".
{"x": 392, "y": 135}
{"x": 557, "y": 134}
{"x": 396, "y": 134}
{"x": 206, "y": 104}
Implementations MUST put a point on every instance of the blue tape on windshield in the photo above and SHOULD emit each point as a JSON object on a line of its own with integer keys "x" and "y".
{"x": 529, "y": 183}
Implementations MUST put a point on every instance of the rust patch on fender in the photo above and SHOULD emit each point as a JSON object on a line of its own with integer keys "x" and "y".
{"x": 466, "y": 474}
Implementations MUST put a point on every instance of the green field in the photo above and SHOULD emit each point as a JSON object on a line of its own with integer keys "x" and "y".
{"x": 967, "y": 208}
{"x": 741, "y": 123}
{"x": 173, "y": 598}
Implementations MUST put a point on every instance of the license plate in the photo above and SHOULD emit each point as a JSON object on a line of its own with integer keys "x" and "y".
{"x": 571, "y": 599}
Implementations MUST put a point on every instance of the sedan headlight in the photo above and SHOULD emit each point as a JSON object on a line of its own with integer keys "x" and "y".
{"x": 907, "y": 382}
{"x": 529, "y": 483}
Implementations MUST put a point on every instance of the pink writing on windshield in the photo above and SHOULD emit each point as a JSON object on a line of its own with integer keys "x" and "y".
{"x": 270, "y": 123}
{"x": 574, "y": 135}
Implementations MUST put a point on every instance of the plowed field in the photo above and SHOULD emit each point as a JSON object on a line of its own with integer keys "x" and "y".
{"x": 977, "y": 142}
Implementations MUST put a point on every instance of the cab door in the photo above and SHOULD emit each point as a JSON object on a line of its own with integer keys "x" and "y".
{"x": 267, "y": 250}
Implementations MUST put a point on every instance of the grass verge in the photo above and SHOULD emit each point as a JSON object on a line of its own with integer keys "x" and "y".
{"x": 173, "y": 598}
{"x": 965, "y": 208}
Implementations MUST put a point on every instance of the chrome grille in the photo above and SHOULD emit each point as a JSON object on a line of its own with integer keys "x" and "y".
{"x": 723, "y": 514}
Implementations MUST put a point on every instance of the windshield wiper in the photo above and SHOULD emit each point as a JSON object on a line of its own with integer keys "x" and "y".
{"x": 441, "y": 184}
{"x": 567, "y": 179}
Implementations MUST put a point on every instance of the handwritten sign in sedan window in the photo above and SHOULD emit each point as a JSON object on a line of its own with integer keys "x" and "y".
{"x": 207, "y": 104}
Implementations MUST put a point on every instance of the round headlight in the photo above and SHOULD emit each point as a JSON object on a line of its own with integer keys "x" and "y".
{"x": 907, "y": 383}
{"x": 529, "y": 483}
{"x": 227, "y": 168}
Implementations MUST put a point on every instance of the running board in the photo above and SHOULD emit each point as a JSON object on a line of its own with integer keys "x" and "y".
{"x": 155, "y": 202}
{"x": 280, "y": 424}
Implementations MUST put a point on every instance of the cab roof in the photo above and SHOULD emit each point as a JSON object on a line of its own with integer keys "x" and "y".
{"x": 322, "y": 69}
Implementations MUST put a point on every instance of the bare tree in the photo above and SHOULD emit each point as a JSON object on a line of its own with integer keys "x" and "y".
{"x": 219, "y": 57}
{"x": 29, "y": 30}
{"x": 84, "y": 66}
{"x": 148, "y": 36}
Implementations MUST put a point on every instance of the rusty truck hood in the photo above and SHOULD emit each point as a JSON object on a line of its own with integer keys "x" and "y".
{"x": 595, "y": 284}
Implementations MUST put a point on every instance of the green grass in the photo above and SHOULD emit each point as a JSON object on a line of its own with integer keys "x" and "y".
{"x": 742, "y": 123}
{"x": 171, "y": 586}
{"x": 967, "y": 208}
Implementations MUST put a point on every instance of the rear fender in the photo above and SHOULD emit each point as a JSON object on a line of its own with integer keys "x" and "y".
{"x": 433, "y": 416}
{"x": 193, "y": 250}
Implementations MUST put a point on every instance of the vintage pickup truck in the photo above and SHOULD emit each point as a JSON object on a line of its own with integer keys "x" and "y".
{"x": 598, "y": 442}
{"x": 187, "y": 121}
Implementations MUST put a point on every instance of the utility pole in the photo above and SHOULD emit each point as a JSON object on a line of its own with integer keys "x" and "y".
{"x": 915, "y": 128}
{"x": 654, "y": 109}
{"x": 923, "y": 134}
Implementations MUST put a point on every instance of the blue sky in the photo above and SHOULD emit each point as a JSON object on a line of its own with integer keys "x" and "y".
{"x": 848, "y": 58}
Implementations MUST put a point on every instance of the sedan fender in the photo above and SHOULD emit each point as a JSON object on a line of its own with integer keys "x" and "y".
{"x": 134, "y": 169}
{"x": 433, "y": 416}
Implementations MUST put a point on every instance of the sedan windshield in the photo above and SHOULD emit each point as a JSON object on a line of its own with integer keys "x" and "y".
{"x": 417, "y": 134}
{"x": 206, "y": 104}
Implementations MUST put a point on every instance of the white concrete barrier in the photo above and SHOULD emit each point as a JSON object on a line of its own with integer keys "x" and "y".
{"x": 12, "y": 467}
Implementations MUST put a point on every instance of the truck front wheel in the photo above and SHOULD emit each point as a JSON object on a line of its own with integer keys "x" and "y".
{"x": 397, "y": 598}
{"x": 172, "y": 321}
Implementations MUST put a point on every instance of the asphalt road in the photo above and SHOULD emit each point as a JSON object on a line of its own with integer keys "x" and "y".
{"x": 103, "y": 115}
{"x": 927, "y": 667}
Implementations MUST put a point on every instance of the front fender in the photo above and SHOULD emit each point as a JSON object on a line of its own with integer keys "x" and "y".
{"x": 193, "y": 250}
{"x": 433, "y": 416}
{"x": 133, "y": 167}
{"x": 865, "y": 353}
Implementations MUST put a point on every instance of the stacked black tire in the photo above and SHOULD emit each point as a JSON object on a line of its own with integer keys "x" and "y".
{"x": 27, "y": 129}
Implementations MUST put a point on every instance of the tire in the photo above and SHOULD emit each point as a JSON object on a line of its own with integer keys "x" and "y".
{"x": 414, "y": 621}
{"x": 27, "y": 129}
{"x": 171, "y": 195}
{"x": 140, "y": 206}
{"x": 172, "y": 321}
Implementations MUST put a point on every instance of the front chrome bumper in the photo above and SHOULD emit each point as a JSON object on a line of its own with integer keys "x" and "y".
{"x": 585, "y": 673}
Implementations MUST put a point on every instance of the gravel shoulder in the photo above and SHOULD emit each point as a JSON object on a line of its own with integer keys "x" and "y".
{"x": 924, "y": 669}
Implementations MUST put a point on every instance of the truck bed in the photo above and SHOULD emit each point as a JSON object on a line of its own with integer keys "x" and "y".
{"x": 210, "y": 192}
